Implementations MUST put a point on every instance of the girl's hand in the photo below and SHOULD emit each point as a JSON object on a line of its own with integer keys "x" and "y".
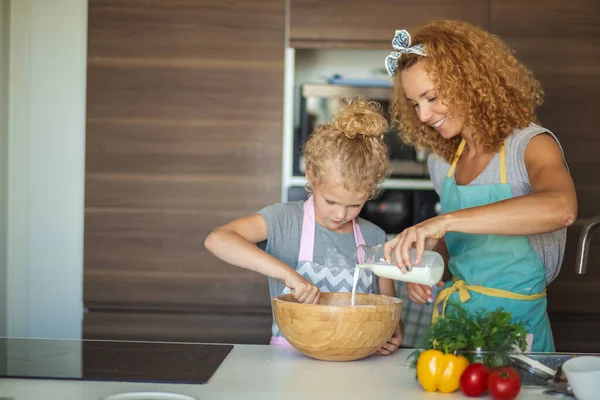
{"x": 302, "y": 290}
{"x": 421, "y": 294}
{"x": 422, "y": 236}
{"x": 393, "y": 343}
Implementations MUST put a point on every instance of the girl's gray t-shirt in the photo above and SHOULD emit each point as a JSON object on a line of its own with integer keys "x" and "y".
{"x": 284, "y": 222}
{"x": 550, "y": 247}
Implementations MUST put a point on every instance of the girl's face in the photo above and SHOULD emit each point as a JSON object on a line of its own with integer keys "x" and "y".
{"x": 336, "y": 207}
{"x": 420, "y": 92}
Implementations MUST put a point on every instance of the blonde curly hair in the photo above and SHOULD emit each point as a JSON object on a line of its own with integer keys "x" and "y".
{"x": 350, "y": 150}
{"x": 476, "y": 75}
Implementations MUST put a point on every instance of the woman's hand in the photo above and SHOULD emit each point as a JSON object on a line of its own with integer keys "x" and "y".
{"x": 422, "y": 236}
{"x": 302, "y": 290}
{"x": 393, "y": 343}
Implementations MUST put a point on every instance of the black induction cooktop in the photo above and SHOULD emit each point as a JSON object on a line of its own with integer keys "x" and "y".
{"x": 110, "y": 360}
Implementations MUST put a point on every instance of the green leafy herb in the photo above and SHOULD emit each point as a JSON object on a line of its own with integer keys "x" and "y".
{"x": 461, "y": 330}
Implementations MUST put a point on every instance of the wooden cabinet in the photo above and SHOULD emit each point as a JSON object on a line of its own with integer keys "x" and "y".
{"x": 371, "y": 24}
{"x": 559, "y": 41}
{"x": 184, "y": 133}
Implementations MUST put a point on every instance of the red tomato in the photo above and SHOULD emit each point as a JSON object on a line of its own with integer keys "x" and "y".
{"x": 474, "y": 380}
{"x": 504, "y": 383}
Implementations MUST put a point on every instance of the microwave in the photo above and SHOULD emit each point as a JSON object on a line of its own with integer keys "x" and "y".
{"x": 319, "y": 101}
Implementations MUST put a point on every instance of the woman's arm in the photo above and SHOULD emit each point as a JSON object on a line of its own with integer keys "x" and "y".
{"x": 235, "y": 243}
{"x": 551, "y": 205}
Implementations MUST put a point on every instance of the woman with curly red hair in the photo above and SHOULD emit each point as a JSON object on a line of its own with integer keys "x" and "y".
{"x": 506, "y": 194}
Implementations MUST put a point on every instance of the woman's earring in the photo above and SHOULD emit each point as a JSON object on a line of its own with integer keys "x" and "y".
{"x": 308, "y": 188}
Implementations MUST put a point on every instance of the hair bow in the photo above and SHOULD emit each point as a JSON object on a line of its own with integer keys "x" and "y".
{"x": 401, "y": 43}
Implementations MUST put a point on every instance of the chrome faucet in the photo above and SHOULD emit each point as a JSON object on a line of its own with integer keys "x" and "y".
{"x": 583, "y": 245}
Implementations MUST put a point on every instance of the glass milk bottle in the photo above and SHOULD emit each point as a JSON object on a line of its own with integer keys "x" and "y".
{"x": 428, "y": 272}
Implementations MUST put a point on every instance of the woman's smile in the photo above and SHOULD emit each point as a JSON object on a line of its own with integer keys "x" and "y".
{"x": 439, "y": 123}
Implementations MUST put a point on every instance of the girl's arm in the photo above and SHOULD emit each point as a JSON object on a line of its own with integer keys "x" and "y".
{"x": 235, "y": 243}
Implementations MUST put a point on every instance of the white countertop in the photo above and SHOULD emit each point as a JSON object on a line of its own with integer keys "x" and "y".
{"x": 265, "y": 373}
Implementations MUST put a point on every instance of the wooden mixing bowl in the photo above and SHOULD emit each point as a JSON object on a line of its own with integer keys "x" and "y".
{"x": 333, "y": 330}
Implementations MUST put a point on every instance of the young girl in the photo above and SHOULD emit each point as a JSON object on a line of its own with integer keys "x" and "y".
{"x": 506, "y": 193}
{"x": 310, "y": 244}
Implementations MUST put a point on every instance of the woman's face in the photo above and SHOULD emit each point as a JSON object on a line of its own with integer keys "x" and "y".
{"x": 420, "y": 93}
{"x": 336, "y": 207}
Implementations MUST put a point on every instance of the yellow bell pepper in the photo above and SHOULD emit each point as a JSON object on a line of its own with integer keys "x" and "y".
{"x": 437, "y": 371}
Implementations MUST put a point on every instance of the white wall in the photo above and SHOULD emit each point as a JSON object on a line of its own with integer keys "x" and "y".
{"x": 46, "y": 168}
{"x": 4, "y": 45}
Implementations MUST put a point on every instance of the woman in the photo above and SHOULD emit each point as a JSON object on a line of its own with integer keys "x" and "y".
{"x": 506, "y": 193}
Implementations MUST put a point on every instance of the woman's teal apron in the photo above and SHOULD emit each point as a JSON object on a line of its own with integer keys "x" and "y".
{"x": 492, "y": 271}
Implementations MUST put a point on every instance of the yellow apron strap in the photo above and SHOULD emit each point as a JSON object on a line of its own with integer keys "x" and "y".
{"x": 463, "y": 289}
{"x": 503, "y": 164}
{"x": 459, "y": 151}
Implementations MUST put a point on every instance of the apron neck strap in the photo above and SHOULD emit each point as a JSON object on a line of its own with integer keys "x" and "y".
{"x": 459, "y": 151}
{"x": 307, "y": 238}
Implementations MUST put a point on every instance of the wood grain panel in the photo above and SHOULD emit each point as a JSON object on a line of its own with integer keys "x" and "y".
{"x": 153, "y": 241}
{"x": 155, "y": 260}
{"x": 182, "y": 327}
{"x": 575, "y": 332}
{"x": 184, "y": 133}
{"x": 147, "y": 240}
{"x": 588, "y": 194}
{"x": 166, "y": 92}
{"x": 189, "y": 147}
{"x": 176, "y": 291}
{"x": 371, "y": 24}
{"x": 549, "y": 18}
{"x": 226, "y": 31}
{"x": 232, "y": 195}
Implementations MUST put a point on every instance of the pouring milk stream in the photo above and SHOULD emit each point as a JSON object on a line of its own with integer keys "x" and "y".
{"x": 428, "y": 272}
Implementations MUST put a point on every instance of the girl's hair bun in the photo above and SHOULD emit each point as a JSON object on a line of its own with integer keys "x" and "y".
{"x": 350, "y": 151}
{"x": 360, "y": 117}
